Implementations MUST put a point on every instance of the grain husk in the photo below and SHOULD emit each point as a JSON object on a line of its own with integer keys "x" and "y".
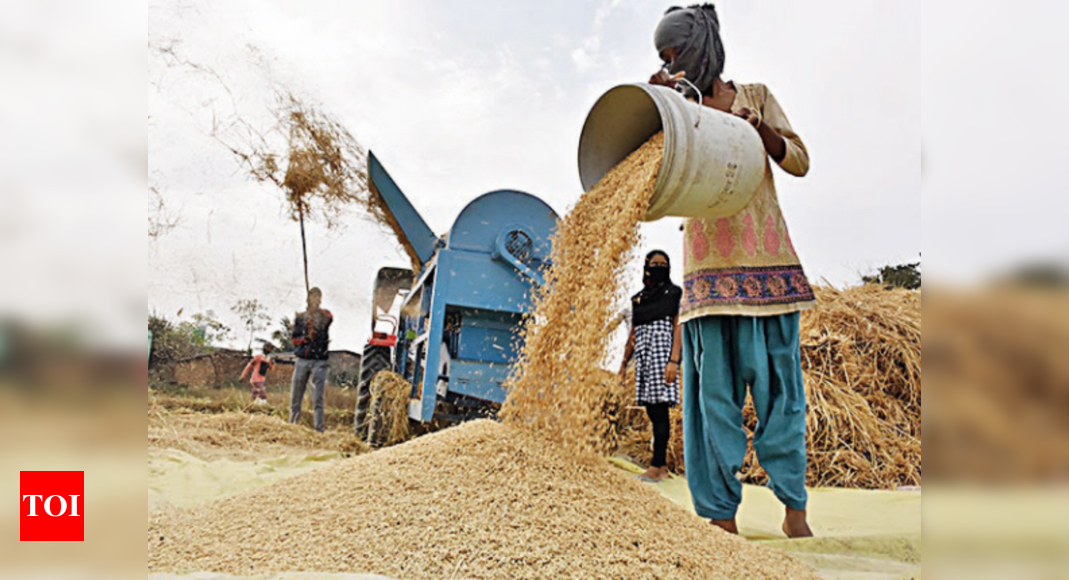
{"x": 555, "y": 388}
{"x": 480, "y": 500}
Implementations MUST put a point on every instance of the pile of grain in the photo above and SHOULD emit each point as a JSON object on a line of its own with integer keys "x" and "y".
{"x": 555, "y": 386}
{"x": 861, "y": 354}
{"x": 481, "y": 500}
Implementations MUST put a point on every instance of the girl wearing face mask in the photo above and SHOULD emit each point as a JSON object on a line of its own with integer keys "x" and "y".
{"x": 655, "y": 344}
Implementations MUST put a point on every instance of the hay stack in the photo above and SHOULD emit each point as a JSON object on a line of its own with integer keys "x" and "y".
{"x": 388, "y": 409}
{"x": 861, "y": 353}
{"x": 481, "y": 500}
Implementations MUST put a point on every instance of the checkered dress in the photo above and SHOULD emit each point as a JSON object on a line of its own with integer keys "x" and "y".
{"x": 653, "y": 349}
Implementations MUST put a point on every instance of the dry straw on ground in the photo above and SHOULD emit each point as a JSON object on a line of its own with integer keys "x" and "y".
{"x": 481, "y": 500}
{"x": 555, "y": 386}
{"x": 861, "y": 353}
{"x": 239, "y": 436}
{"x": 861, "y": 350}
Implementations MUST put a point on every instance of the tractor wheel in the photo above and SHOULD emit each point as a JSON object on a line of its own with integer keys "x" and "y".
{"x": 374, "y": 359}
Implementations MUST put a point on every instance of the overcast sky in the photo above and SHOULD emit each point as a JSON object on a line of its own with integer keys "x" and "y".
{"x": 459, "y": 98}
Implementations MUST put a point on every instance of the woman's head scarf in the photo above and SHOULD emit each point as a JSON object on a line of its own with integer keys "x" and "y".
{"x": 659, "y": 298}
{"x": 695, "y": 31}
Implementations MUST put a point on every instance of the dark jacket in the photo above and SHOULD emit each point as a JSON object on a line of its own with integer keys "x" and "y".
{"x": 311, "y": 334}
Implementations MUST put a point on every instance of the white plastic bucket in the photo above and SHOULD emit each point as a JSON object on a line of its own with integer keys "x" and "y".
{"x": 713, "y": 162}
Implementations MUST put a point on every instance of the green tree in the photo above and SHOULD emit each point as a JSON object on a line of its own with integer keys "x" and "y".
{"x": 906, "y": 276}
{"x": 206, "y": 329}
{"x": 173, "y": 342}
{"x": 283, "y": 335}
{"x": 253, "y": 316}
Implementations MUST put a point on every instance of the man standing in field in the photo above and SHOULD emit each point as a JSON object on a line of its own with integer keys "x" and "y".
{"x": 311, "y": 337}
{"x": 743, "y": 290}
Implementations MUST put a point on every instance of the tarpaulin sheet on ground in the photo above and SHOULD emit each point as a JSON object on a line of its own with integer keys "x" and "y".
{"x": 859, "y": 534}
{"x": 180, "y": 479}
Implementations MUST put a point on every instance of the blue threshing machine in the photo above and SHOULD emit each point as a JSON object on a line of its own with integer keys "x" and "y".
{"x": 449, "y": 326}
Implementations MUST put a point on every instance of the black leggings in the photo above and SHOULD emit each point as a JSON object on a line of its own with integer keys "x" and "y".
{"x": 658, "y": 413}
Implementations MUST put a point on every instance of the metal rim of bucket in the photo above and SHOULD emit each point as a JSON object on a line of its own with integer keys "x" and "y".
{"x": 605, "y": 141}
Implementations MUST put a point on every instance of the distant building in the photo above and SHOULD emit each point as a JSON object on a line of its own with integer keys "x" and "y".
{"x": 224, "y": 366}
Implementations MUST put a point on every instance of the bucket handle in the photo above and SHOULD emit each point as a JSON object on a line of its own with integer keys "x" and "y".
{"x": 680, "y": 77}
{"x": 695, "y": 89}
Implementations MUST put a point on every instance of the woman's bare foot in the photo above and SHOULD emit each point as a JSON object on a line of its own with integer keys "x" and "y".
{"x": 728, "y": 526}
{"x": 655, "y": 474}
{"x": 795, "y": 526}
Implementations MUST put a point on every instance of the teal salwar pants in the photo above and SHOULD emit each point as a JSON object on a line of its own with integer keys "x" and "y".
{"x": 722, "y": 357}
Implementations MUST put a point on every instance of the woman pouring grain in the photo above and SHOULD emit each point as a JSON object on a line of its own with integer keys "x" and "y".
{"x": 743, "y": 289}
{"x": 655, "y": 344}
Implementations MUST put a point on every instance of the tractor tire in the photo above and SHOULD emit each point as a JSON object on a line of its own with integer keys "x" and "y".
{"x": 374, "y": 359}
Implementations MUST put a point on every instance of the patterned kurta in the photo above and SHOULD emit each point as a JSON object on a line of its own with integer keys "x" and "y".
{"x": 653, "y": 350}
{"x": 745, "y": 264}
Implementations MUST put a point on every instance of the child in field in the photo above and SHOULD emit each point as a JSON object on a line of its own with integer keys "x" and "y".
{"x": 655, "y": 344}
{"x": 259, "y": 366}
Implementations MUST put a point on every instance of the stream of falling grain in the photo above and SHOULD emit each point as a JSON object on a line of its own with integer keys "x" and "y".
{"x": 555, "y": 387}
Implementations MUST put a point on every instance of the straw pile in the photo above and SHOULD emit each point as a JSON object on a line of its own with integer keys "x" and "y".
{"x": 554, "y": 387}
{"x": 388, "y": 409}
{"x": 240, "y": 436}
{"x": 480, "y": 500}
{"x": 861, "y": 353}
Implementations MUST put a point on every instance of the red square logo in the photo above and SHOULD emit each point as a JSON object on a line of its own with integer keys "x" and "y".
{"x": 52, "y": 506}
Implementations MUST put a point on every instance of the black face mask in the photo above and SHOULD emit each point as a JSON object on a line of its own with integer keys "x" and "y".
{"x": 655, "y": 275}
{"x": 659, "y": 298}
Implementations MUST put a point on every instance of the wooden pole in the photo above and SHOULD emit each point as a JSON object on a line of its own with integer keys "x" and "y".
{"x": 304, "y": 250}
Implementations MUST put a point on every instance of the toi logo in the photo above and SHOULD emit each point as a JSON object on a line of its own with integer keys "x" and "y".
{"x": 51, "y": 506}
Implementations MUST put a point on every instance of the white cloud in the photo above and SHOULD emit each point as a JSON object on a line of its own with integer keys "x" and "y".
{"x": 455, "y": 108}
{"x": 583, "y": 59}
{"x": 588, "y": 54}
